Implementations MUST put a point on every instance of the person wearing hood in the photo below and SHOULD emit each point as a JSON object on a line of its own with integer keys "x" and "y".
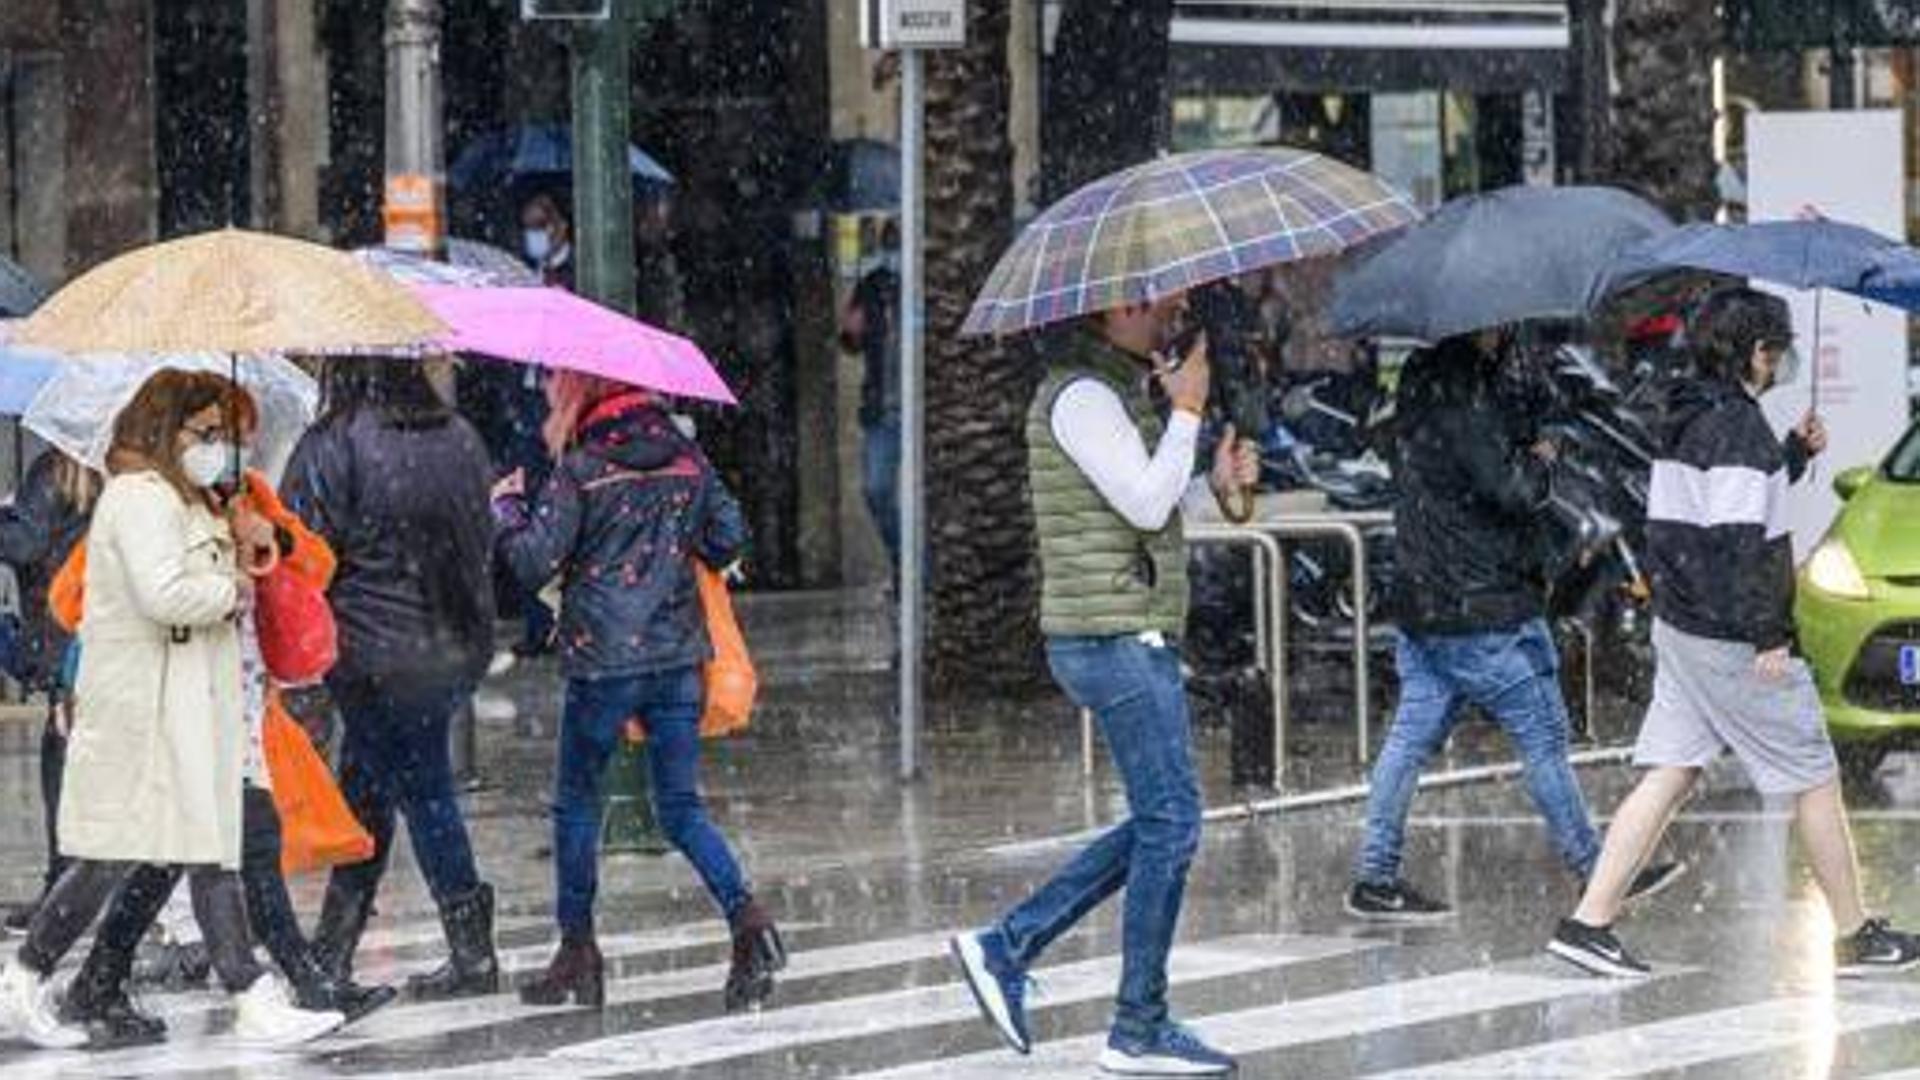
{"x": 629, "y": 506}
{"x": 396, "y": 484}
{"x": 1475, "y": 483}
{"x": 1725, "y": 676}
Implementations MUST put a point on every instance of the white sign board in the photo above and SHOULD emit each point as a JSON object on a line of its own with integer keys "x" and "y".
{"x": 913, "y": 24}
{"x": 1846, "y": 166}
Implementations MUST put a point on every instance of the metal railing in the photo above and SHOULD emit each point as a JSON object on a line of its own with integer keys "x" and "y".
{"x": 1264, "y": 536}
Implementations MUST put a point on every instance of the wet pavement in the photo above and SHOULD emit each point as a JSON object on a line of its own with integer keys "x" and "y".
{"x": 869, "y": 876}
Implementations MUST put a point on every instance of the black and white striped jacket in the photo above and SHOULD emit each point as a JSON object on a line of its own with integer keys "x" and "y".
{"x": 1718, "y": 546}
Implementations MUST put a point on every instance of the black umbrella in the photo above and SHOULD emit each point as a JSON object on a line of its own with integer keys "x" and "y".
{"x": 1507, "y": 256}
{"x": 20, "y": 292}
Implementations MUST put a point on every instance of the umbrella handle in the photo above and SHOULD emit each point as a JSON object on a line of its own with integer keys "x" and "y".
{"x": 1238, "y": 505}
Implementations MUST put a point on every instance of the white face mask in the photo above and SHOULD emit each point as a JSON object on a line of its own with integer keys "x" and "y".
{"x": 207, "y": 464}
{"x": 538, "y": 245}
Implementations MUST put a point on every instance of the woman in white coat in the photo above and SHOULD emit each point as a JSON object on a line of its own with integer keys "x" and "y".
{"x": 154, "y": 761}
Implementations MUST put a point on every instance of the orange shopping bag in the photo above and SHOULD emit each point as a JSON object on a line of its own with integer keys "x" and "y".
{"x": 728, "y": 680}
{"x": 731, "y": 682}
{"x": 317, "y": 830}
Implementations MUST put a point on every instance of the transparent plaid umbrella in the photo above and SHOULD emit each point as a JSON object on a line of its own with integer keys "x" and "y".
{"x": 1177, "y": 222}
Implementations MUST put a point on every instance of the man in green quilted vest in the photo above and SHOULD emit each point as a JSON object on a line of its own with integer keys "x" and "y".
{"x": 1108, "y": 478}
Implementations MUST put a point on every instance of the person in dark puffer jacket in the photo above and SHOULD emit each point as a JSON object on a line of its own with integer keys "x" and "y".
{"x": 1725, "y": 676}
{"x": 631, "y": 503}
{"x": 397, "y": 484}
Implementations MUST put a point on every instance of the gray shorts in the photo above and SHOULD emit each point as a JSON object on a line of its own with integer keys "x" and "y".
{"x": 1706, "y": 699}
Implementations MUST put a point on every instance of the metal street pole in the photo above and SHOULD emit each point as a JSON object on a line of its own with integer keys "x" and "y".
{"x": 602, "y": 185}
{"x": 913, "y": 541}
{"x": 414, "y": 209}
{"x": 603, "y": 247}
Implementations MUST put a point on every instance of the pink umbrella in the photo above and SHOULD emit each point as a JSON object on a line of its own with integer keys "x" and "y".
{"x": 553, "y": 328}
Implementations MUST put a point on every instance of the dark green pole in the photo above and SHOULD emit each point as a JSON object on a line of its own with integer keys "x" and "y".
{"x": 602, "y": 185}
{"x": 603, "y": 246}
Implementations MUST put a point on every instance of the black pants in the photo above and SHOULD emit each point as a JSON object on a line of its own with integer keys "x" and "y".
{"x": 53, "y": 765}
{"x": 269, "y": 910}
{"x": 85, "y": 887}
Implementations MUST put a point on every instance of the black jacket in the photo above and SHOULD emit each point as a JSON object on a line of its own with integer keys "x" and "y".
{"x": 1718, "y": 548}
{"x": 37, "y": 533}
{"x": 1471, "y": 498}
{"x": 618, "y": 523}
{"x": 405, "y": 507}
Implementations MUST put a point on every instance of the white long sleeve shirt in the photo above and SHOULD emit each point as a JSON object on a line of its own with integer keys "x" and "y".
{"x": 1092, "y": 426}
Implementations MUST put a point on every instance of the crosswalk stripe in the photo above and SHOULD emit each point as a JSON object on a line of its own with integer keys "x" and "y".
{"x": 1332, "y": 1016}
{"x": 403, "y": 1022}
{"x": 192, "y": 1015}
{"x": 440, "y": 1018}
{"x": 415, "y": 933}
{"x": 729, "y": 1037}
{"x": 1722, "y": 1034}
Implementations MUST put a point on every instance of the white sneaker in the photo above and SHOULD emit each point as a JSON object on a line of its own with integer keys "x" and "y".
{"x": 266, "y": 1015}
{"x": 28, "y": 1011}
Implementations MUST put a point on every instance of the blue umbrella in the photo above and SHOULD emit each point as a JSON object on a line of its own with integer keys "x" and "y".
{"x": 1808, "y": 253}
{"x": 864, "y": 177}
{"x": 20, "y": 293}
{"x": 1805, "y": 254}
{"x": 534, "y": 150}
{"x": 22, "y": 373}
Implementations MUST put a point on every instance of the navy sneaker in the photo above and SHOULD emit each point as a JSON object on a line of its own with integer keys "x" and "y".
{"x": 1170, "y": 1050}
{"x": 999, "y": 986}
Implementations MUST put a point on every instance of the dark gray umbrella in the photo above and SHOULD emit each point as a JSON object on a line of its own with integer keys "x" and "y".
{"x": 1507, "y": 256}
{"x": 19, "y": 291}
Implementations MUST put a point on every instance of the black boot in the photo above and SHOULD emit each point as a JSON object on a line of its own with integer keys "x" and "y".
{"x": 577, "y": 970}
{"x": 471, "y": 968}
{"x": 758, "y": 952}
{"x": 97, "y": 1000}
{"x": 343, "y": 916}
{"x": 317, "y": 991}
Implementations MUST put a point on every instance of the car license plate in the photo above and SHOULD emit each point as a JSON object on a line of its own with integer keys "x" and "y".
{"x": 1910, "y": 665}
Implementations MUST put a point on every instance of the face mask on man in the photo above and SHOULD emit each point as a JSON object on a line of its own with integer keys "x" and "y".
{"x": 209, "y": 465}
{"x": 538, "y": 245}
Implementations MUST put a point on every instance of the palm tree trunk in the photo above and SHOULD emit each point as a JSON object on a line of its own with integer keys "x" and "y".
{"x": 1662, "y": 136}
{"x": 984, "y": 582}
{"x": 1107, "y": 90}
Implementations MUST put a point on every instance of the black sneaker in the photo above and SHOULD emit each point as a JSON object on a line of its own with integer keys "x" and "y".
{"x": 1653, "y": 880}
{"x": 1398, "y": 902}
{"x": 1875, "y": 949}
{"x": 1595, "y": 950}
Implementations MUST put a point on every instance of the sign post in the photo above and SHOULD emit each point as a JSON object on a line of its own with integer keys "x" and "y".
{"x": 912, "y": 27}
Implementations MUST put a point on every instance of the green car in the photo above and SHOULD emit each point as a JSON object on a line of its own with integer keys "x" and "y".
{"x": 1858, "y": 610}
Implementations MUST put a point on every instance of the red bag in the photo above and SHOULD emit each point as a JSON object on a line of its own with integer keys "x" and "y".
{"x": 298, "y": 639}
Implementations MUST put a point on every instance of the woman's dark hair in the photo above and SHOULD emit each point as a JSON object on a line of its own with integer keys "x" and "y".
{"x": 395, "y": 389}
{"x": 146, "y": 433}
{"x": 1728, "y": 323}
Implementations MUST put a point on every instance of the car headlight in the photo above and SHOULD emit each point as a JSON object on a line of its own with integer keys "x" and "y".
{"x": 1833, "y": 571}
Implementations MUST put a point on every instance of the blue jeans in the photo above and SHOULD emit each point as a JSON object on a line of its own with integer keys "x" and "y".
{"x": 1135, "y": 691}
{"x": 668, "y": 703}
{"x": 881, "y": 480}
{"x": 395, "y": 758}
{"x": 1514, "y": 675}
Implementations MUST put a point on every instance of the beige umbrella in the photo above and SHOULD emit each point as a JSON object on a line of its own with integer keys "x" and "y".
{"x": 230, "y": 291}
